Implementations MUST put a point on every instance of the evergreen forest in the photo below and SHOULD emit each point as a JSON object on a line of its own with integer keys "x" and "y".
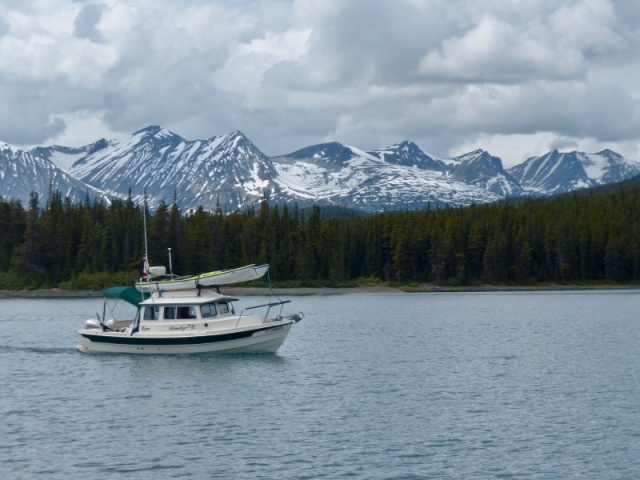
{"x": 590, "y": 237}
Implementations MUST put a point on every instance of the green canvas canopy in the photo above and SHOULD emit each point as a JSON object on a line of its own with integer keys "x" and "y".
{"x": 128, "y": 294}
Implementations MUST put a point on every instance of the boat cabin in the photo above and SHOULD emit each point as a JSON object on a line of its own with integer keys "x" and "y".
{"x": 188, "y": 311}
{"x": 192, "y": 310}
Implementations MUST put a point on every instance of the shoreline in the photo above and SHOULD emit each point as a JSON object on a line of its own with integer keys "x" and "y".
{"x": 428, "y": 288}
{"x": 60, "y": 293}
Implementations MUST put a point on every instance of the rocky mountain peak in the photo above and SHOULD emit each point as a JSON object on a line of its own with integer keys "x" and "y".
{"x": 232, "y": 170}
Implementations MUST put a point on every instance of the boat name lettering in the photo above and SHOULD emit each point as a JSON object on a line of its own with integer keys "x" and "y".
{"x": 274, "y": 329}
{"x": 182, "y": 328}
{"x": 144, "y": 329}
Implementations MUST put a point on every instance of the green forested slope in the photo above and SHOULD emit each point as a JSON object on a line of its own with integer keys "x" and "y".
{"x": 590, "y": 236}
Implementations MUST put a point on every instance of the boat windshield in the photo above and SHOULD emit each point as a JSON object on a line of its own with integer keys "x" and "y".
{"x": 216, "y": 308}
{"x": 186, "y": 312}
{"x": 208, "y": 310}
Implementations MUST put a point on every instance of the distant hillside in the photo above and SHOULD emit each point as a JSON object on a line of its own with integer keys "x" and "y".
{"x": 590, "y": 237}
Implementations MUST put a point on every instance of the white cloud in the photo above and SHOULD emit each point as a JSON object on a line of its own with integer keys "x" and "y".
{"x": 497, "y": 52}
{"x": 523, "y": 74}
{"x": 244, "y": 70}
{"x": 77, "y": 123}
{"x": 587, "y": 26}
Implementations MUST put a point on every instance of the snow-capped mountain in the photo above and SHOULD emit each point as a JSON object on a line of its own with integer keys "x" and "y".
{"x": 231, "y": 172}
{"x": 65, "y": 157}
{"x": 557, "y": 172}
{"x": 333, "y": 173}
{"x": 24, "y": 172}
{"x": 477, "y": 168}
{"x": 227, "y": 169}
{"x": 408, "y": 154}
{"x": 484, "y": 170}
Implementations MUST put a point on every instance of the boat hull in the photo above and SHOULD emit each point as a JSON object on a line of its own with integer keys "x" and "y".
{"x": 263, "y": 339}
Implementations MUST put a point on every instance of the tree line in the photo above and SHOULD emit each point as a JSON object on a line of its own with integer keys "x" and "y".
{"x": 582, "y": 237}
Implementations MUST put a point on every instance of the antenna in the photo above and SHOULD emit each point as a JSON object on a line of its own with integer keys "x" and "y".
{"x": 144, "y": 217}
{"x": 170, "y": 266}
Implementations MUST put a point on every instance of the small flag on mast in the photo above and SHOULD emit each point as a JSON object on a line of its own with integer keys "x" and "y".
{"x": 145, "y": 267}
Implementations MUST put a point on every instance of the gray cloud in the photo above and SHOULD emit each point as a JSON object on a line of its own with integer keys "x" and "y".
{"x": 4, "y": 27}
{"x": 508, "y": 76}
{"x": 85, "y": 24}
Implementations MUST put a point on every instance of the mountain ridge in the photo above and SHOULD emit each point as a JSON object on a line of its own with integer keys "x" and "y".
{"x": 231, "y": 172}
{"x": 24, "y": 172}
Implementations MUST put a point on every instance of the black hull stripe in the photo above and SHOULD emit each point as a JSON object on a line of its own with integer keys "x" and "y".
{"x": 195, "y": 340}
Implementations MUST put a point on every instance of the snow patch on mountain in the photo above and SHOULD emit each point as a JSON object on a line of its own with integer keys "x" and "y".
{"x": 372, "y": 180}
{"x": 231, "y": 171}
{"x": 557, "y": 172}
{"x": 595, "y": 166}
{"x": 24, "y": 172}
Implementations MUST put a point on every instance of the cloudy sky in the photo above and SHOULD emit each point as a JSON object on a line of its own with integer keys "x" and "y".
{"x": 514, "y": 77}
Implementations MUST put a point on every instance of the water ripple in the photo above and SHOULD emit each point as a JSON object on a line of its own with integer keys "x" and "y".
{"x": 490, "y": 386}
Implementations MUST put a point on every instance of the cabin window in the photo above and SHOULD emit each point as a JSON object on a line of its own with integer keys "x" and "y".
{"x": 150, "y": 313}
{"x": 223, "y": 307}
{"x": 208, "y": 310}
{"x": 187, "y": 312}
{"x": 169, "y": 313}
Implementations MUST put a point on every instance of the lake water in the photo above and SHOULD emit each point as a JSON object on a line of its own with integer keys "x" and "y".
{"x": 385, "y": 386}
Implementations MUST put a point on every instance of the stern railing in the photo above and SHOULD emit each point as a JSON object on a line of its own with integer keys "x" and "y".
{"x": 266, "y": 315}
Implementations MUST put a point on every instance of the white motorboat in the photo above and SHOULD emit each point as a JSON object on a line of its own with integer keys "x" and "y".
{"x": 195, "y": 320}
{"x": 160, "y": 281}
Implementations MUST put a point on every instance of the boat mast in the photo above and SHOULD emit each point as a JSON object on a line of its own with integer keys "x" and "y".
{"x": 136, "y": 321}
{"x": 144, "y": 221}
